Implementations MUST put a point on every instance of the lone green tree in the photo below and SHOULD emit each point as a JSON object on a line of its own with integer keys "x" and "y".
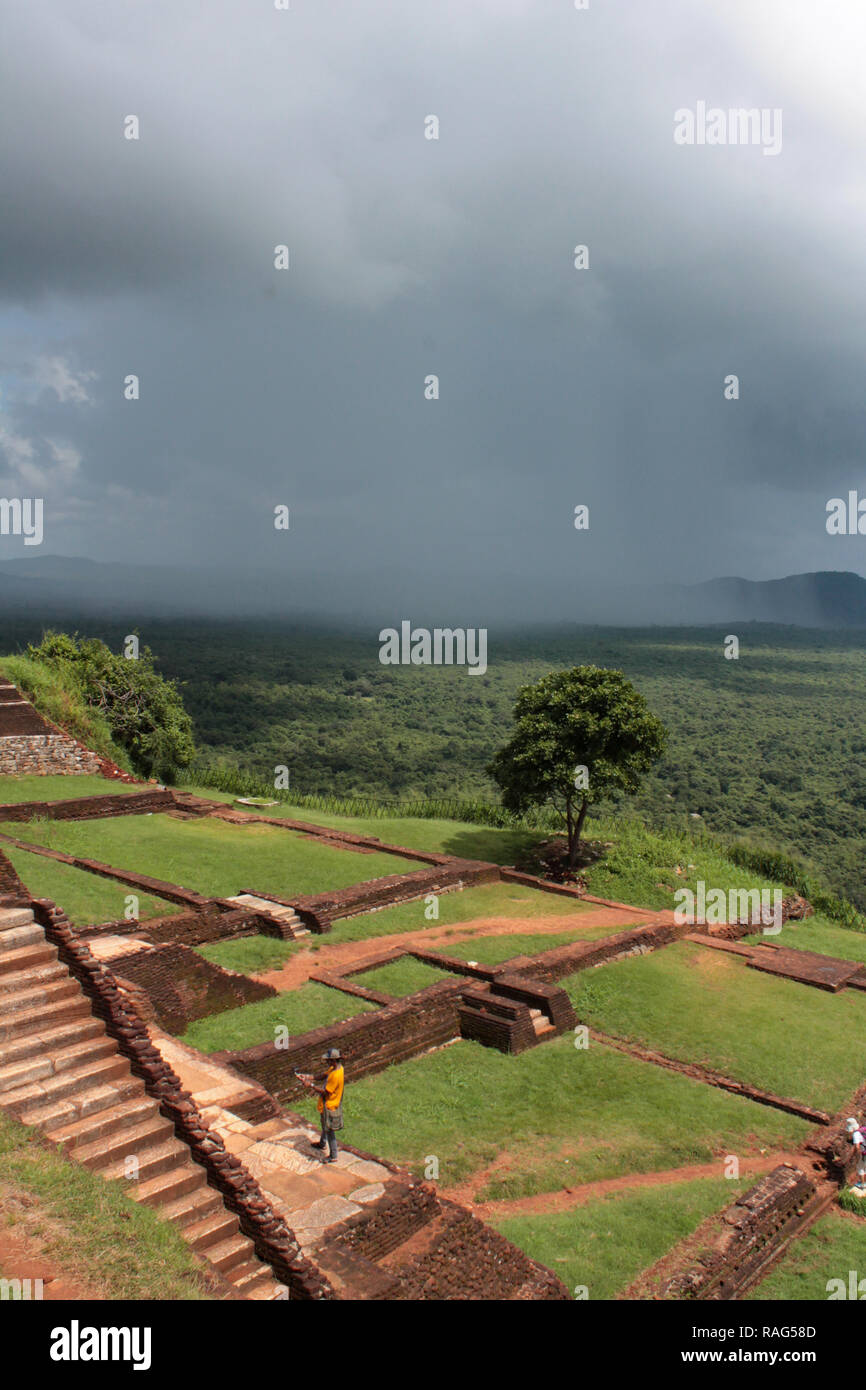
{"x": 579, "y": 736}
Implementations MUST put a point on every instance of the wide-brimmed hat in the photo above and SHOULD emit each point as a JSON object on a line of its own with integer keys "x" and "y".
{"x": 333, "y": 1054}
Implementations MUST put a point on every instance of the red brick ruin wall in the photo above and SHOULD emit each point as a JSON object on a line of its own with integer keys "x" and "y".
{"x": 182, "y": 986}
{"x": 370, "y": 1042}
{"x": 88, "y": 807}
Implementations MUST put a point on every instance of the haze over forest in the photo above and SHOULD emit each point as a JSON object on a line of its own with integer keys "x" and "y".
{"x": 559, "y": 387}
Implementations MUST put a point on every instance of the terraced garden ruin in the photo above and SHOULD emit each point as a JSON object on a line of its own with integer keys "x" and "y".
{"x": 551, "y": 1093}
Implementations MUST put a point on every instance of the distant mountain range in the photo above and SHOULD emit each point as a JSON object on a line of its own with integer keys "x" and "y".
{"x": 53, "y": 586}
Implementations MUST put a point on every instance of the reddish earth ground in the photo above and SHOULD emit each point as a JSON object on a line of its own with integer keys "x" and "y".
{"x": 298, "y": 968}
{"x": 21, "y": 1258}
{"x": 568, "y": 1197}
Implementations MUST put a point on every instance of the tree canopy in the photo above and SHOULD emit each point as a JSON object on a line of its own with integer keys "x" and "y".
{"x": 144, "y": 711}
{"x": 580, "y": 736}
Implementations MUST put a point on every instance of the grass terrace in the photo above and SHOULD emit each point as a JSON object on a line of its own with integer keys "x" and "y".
{"x": 400, "y": 977}
{"x": 311, "y": 1006}
{"x": 550, "y": 1116}
{"x": 213, "y": 857}
{"x": 700, "y": 1005}
{"x": 605, "y": 1244}
{"x": 818, "y": 934}
{"x": 85, "y": 898}
{"x": 14, "y": 790}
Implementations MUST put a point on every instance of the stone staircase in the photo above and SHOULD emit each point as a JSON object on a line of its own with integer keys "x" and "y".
{"x": 61, "y": 1073}
{"x": 287, "y": 921}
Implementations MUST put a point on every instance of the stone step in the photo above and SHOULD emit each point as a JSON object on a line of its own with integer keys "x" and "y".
{"x": 121, "y": 1144}
{"x": 249, "y": 1273}
{"x": 29, "y": 935}
{"x": 15, "y": 917}
{"x": 192, "y": 1207}
{"x": 23, "y": 957}
{"x": 213, "y": 1229}
{"x": 169, "y": 1187}
{"x": 88, "y": 1101}
{"x": 230, "y": 1253}
{"x": 68, "y": 1034}
{"x": 44, "y": 1064}
{"x": 66, "y": 1009}
{"x": 162, "y": 1158}
{"x": 542, "y": 1025}
{"x": 31, "y": 977}
{"x": 114, "y": 1118}
{"x": 24, "y": 1099}
{"x": 32, "y": 1001}
{"x": 261, "y": 1287}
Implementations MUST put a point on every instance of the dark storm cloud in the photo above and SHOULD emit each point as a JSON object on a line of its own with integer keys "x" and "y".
{"x": 412, "y": 257}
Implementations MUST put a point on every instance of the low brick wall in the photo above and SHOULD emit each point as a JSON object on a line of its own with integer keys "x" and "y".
{"x": 210, "y": 924}
{"x": 583, "y": 955}
{"x": 11, "y": 886}
{"x": 369, "y": 1042}
{"x": 755, "y": 1228}
{"x": 182, "y": 986}
{"x": 323, "y": 908}
{"x": 89, "y": 807}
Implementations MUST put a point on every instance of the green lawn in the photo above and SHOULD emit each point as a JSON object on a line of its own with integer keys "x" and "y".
{"x": 85, "y": 898}
{"x": 701, "y": 1005}
{"x": 94, "y": 1232}
{"x": 401, "y": 977}
{"x": 494, "y": 950}
{"x": 213, "y": 857}
{"x": 818, "y": 934}
{"x": 60, "y": 788}
{"x": 604, "y": 1245}
{"x": 488, "y": 900}
{"x": 833, "y": 1247}
{"x": 250, "y": 955}
{"x": 562, "y": 1114}
{"x": 253, "y": 955}
{"x": 435, "y": 836}
{"x": 311, "y": 1006}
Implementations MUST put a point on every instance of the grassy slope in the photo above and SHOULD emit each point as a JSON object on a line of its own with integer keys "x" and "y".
{"x": 86, "y": 898}
{"x": 62, "y": 788}
{"x": 401, "y": 977}
{"x": 95, "y": 1233}
{"x": 817, "y": 934}
{"x": 55, "y": 695}
{"x": 605, "y": 1244}
{"x": 703, "y": 1006}
{"x": 213, "y": 857}
{"x": 834, "y": 1246}
{"x": 311, "y": 1006}
{"x": 563, "y": 1115}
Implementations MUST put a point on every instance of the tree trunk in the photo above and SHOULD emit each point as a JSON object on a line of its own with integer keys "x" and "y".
{"x": 575, "y": 828}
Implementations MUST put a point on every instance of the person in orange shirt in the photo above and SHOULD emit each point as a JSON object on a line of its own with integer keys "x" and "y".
{"x": 331, "y": 1103}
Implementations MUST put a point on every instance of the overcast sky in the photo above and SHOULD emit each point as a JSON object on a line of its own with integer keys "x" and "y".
{"x": 454, "y": 257}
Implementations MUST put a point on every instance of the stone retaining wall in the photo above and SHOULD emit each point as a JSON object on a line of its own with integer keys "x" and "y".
{"x": 42, "y": 755}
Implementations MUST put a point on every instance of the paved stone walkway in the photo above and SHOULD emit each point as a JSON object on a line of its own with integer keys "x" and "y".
{"x": 310, "y": 1195}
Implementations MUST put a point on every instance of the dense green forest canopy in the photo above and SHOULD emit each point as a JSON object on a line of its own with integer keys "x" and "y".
{"x": 767, "y": 748}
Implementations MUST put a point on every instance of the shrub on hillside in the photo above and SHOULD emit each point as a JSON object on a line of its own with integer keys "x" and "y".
{"x": 143, "y": 710}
